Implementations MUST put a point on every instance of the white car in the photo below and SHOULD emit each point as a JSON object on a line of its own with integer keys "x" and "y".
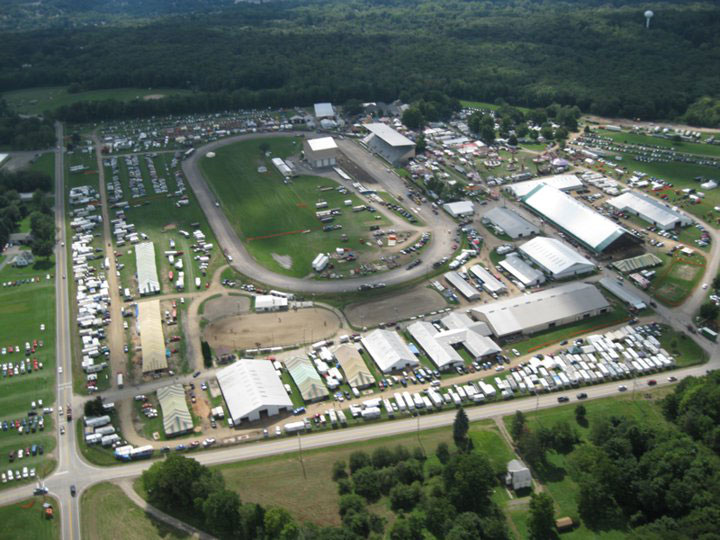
{"x": 21, "y": 453}
{"x": 10, "y": 475}
{"x": 60, "y": 410}
{"x": 515, "y": 352}
{"x": 704, "y": 286}
{"x": 208, "y": 442}
{"x": 4, "y": 478}
{"x": 25, "y": 472}
{"x": 32, "y": 472}
{"x": 59, "y": 370}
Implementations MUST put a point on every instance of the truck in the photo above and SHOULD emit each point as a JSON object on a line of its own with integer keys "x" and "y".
{"x": 120, "y": 381}
{"x": 294, "y": 427}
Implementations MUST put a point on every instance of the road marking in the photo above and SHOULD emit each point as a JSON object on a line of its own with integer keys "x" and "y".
{"x": 60, "y": 473}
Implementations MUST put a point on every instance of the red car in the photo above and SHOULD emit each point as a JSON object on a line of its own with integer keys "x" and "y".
{"x": 652, "y": 382}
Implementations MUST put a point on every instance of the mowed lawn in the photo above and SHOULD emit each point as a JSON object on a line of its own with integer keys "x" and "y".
{"x": 108, "y": 514}
{"x": 556, "y": 478}
{"x": 701, "y": 149}
{"x": 677, "y": 280}
{"x": 24, "y": 520}
{"x": 39, "y": 100}
{"x": 277, "y": 218}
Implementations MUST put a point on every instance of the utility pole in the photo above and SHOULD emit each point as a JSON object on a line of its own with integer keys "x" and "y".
{"x": 302, "y": 463}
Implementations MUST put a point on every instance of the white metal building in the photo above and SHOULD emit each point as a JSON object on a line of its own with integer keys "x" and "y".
{"x": 251, "y": 389}
{"x": 324, "y": 110}
{"x": 563, "y": 182}
{"x": 321, "y": 152}
{"x": 388, "y": 350}
{"x": 389, "y": 144}
{"x": 320, "y": 262}
{"x": 152, "y": 341}
{"x": 518, "y": 475}
{"x": 489, "y": 282}
{"x": 459, "y": 209}
{"x": 511, "y": 223}
{"x": 650, "y": 209}
{"x": 623, "y": 293}
{"x": 467, "y": 290}
{"x": 268, "y": 302}
{"x": 441, "y": 354}
{"x": 541, "y": 310}
{"x": 148, "y": 282}
{"x": 594, "y": 231}
{"x": 522, "y": 271}
{"x": 555, "y": 257}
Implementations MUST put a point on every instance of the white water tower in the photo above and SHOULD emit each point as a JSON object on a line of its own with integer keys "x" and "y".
{"x": 648, "y": 15}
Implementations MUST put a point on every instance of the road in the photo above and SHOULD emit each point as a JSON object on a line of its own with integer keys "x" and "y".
{"x": 73, "y": 469}
{"x": 440, "y": 226}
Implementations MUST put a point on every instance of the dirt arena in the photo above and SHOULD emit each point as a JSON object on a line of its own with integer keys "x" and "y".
{"x": 275, "y": 329}
{"x": 223, "y": 306}
{"x": 403, "y": 306}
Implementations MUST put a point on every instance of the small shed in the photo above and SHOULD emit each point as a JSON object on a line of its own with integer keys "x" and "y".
{"x": 518, "y": 475}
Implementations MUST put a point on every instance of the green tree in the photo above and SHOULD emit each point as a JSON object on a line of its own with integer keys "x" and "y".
{"x": 338, "y": 470}
{"x": 580, "y": 414}
{"x": 382, "y": 457}
{"x": 42, "y": 247}
{"x": 541, "y": 520}
{"x": 404, "y": 497}
{"x": 420, "y": 144}
{"x": 221, "y": 510}
{"x": 518, "y": 426}
{"x": 365, "y": 483}
{"x": 171, "y": 483}
{"x": 206, "y": 353}
{"x": 358, "y": 460}
{"x": 716, "y": 282}
{"x": 351, "y": 502}
{"x": 276, "y": 521}
{"x": 460, "y": 429}
{"x": 709, "y": 311}
{"x": 412, "y": 118}
{"x": 94, "y": 407}
{"x": 443, "y": 452}
{"x": 469, "y": 480}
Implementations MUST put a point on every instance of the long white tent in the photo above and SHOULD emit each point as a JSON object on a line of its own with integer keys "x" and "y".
{"x": 148, "y": 282}
{"x": 555, "y": 257}
{"x": 649, "y": 209}
{"x": 388, "y": 350}
{"x": 152, "y": 342}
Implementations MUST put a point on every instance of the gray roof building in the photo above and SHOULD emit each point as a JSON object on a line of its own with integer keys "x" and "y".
{"x": 389, "y": 144}
{"x": 555, "y": 257}
{"x": 509, "y": 222}
{"x": 388, "y": 350}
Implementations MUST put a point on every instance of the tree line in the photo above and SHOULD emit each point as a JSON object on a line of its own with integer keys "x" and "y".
{"x": 592, "y": 55}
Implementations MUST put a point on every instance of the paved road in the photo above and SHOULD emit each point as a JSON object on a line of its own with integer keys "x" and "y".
{"x": 441, "y": 226}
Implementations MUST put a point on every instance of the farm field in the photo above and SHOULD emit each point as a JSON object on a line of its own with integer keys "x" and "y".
{"x": 25, "y": 519}
{"x": 556, "y": 479}
{"x": 23, "y": 309}
{"x": 277, "y": 221}
{"x": 107, "y": 513}
{"x": 39, "y": 100}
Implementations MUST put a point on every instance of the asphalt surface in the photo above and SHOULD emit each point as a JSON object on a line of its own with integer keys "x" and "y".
{"x": 72, "y": 469}
{"x": 441, "y": 227}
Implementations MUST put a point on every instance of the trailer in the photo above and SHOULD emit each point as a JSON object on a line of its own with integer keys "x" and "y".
{"x": 294, "y": 427}
{"x": 399, "y": 401}
{"x": 120, "y": 381}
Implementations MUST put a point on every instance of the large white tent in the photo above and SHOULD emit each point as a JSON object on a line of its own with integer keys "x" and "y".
{"x": 388, "y": 350}
{"x": 555, "y": 257}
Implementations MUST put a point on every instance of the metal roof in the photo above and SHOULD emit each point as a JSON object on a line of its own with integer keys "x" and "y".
{"x": 624, "y": 294}
{"x": 151, "y": 336}
{"x": 555, "y": 256}
{"x": 563, "y": 182}
{"x": 324, "y": 110}
{"x": 249, "y": 386}
{"x": 306, "y": 378}
{"x": 459, "y": 208}
{"x": 637, "y": 263}
{"x": 148, "y": 282}
{"x": 176, "y": 416}
{"x": 513, "y": 224}
{"x": 515, "y": 315}
{"x": 356, "y": 371}
{"x": 522, "y": 271}
{"x": 582, "y": 222}
{"x": 323, "y": 143}
{"x": 467, "y": 290}
{"x": 388, "y": 350}
{"x": 388, "y": 134}
{"x": 490, "y": 282}
{"x": 442, "y": 354}
{"x": 649, "y": 209}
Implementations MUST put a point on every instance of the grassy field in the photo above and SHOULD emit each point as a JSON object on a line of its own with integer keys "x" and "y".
{"x": 107, "y": 513}
{"x": 23, "y": 309}
{"x": 558, "y": 482}
{"x": 688, "y": 352}
{"x": 488, "y": 106}
{"x": 25, "y": 519}
{"x": 677, "y": 279}
{"x": 40, "y": 100}
{"x": 555, "y": 335}
{"x": 274, "y": 218}
{"x": 702, "y": 149}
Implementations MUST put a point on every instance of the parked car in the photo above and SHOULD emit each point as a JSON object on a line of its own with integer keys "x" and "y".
{"x": 582, "y": 395}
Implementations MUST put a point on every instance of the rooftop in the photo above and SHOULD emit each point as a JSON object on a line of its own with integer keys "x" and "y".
{"x": 388, "y": 134}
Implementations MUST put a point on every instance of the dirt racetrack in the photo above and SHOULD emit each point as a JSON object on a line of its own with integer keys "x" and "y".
{"x": 216, "y": 308}
{"x": 403, "y": 306}
{"x": 275, "y": 329}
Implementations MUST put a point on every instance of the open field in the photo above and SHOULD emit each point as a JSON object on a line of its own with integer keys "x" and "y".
{"x": 107, "y": 513}
{"x": 272, "y": 329}
{"x": 39, "y": 100}
{"x": 277, "y": 221}
{"x": 24, "y": 520}
{"x": 23, "y": 309}
{"x": 487, "y": 106}
{"x": 417, "y": 301}
{"x": 701, "y": 149}
{"x": 677, "y": 279}
{"x": 556, "y": 479}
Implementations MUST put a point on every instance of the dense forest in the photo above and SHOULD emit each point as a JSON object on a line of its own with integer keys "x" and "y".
{"x": 13, "y": 210}
{"x": 596, "y": 55}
